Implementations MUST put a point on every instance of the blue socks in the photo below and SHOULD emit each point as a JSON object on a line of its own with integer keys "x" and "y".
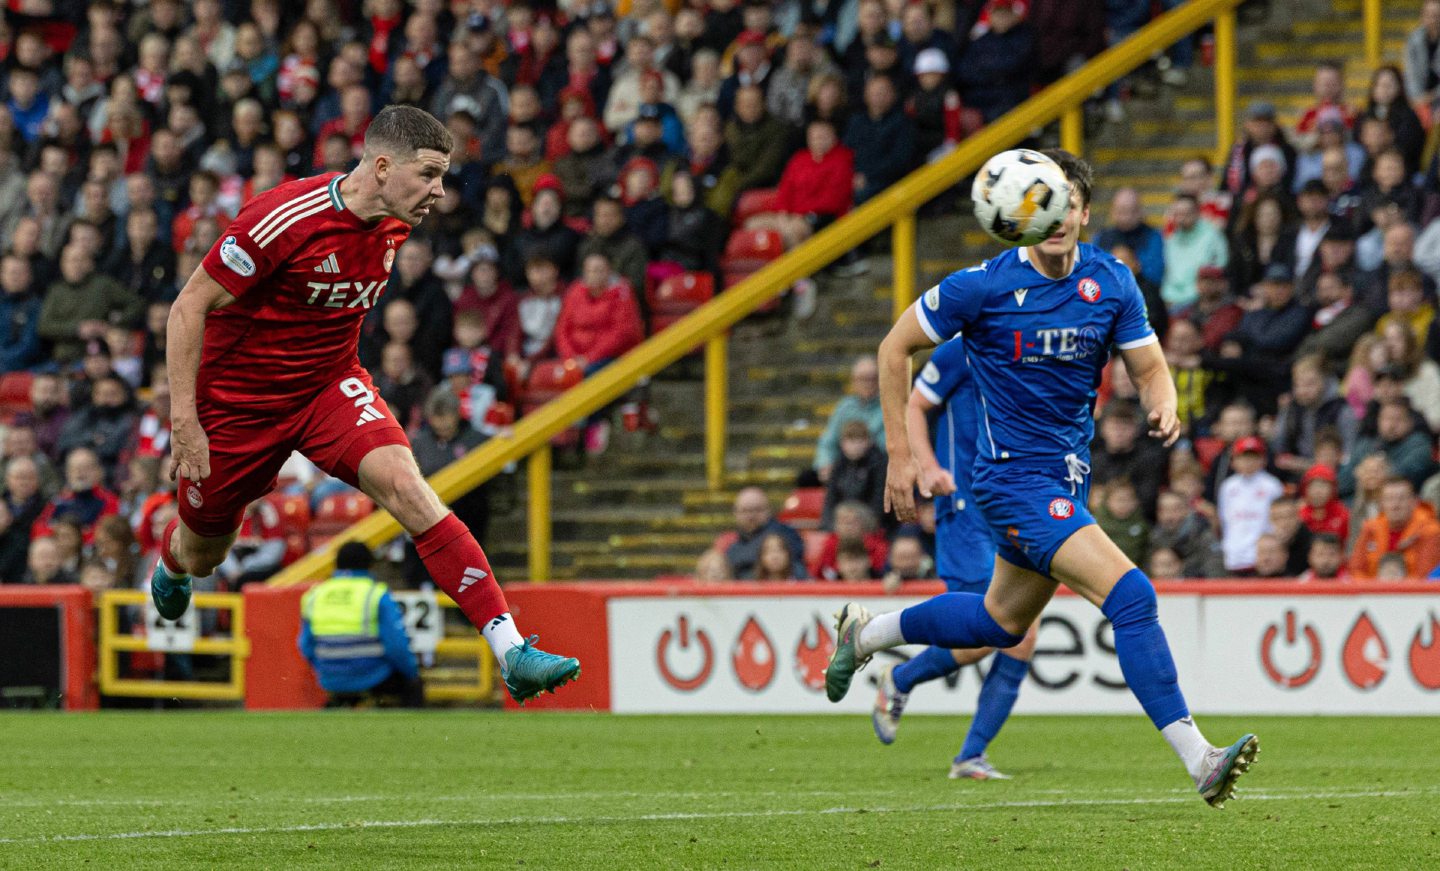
{"x": 931, "y": 663}
{"x": 1142, "y": 649}
{"x": 953, "y": 620}
{"x": 997, "y": 697}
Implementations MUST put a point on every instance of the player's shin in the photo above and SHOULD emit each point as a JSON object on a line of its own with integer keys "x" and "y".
{"x": 454, "y": 559}
{"x": 997, "y": 698}
{"x": 1149, "y": 669}
{"x": 929, "y": 664}
{"x": 949, "y": 620}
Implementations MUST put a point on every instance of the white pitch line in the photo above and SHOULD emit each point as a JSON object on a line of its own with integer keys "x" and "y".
{"x": 697, "y": 815}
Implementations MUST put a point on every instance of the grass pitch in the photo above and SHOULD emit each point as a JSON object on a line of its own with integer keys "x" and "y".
{"x": 463, "y": 789}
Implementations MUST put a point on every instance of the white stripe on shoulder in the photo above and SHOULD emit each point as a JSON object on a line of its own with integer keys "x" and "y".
{"x": 1138, "y": 343}
{"x": 272, "y": 235}
{"x": 281, "y": 211}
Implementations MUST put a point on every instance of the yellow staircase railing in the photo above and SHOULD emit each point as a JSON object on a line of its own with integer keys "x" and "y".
{"x": 892, "y": 209}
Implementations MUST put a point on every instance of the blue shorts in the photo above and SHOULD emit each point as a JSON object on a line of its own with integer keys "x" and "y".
{"x": 1031, "y": 508}
{"x": 964, "y": 549}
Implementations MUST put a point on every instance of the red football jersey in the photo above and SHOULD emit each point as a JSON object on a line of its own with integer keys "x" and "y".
{"x": 304, "y": 271}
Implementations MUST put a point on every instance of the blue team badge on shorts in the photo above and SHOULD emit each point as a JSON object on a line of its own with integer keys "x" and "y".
{"x": 1089, "y": 289}
{"x": 1062, "y": 509}
{"x": 235, "y": 257}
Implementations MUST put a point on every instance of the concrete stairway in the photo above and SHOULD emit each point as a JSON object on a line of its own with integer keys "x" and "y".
{"x": 644, "y": 509}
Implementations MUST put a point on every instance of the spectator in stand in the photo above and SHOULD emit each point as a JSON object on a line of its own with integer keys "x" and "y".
{"x": 1418, "y": 375}
{"x": 105, "y": 424}
{"x": 539, "y": 309}
{"x": 935, "y": 105}
{"x": 855, "y": 524}
{"x": 547, "y": 233}
{"x": 1259, "y": 130}
{"x": 1201, "y": 391}
{"x": 1270, "y": 558}
{"x": 1194, "y": 244}
{"x": 623, "y": 102}
{"x": 858, "y": 474}
{"x": 995, "y": 74}
{"x": 1326, "y": 561}
{"x": 259, "y": 548}
{"x": 861, "y": 403}
{"x": 1197, "y": 178}
{"x": 1315, "y": 404}
{"x": 882, "y": 139}
{"x": 1184, "y": 531}
{"x": 908, "y": 562}
{"x": 1214, "y": 311}
{"x": 1165, "y": 565}
{"x": 468, "y": 87}
{"x": 1303, "y": 240}
{"x": 694, "y": 234}
{"x": 1155, "y": 308}
{"x": 788, "y": 88}
{"x": 490, "y": 299}
{"x": 645, "y": 210}
{"x": 1321, "y": 510}
{"x": 43, "y": 564}
{"x": 759, "y": 143}
{"x": 1331, "y": 134}
{"x": 49, "y": 411}
{"x": 1292, "y": 535}
{"x": 815, "y": 189}
{"x": 414, "y": 280}
{"x": 599, "y": 321}
{"x": 587, "y": 169}
{"x": 1337, "y": 322}
{"x": 611, "y": 238}
{"x": 703, "y": 87}
{"x": 1405, "y": 526}
{"x": 1121, "y": 453}
{"x": 776, "y": 562}
{"x": 1328, "y": 88}
{"x": 1128, "y": 227}
{"x": 713, "y": 568}
{"x": 445, "y": 437}
{"x": 474, "y": 370}
{"x": 1244, "y": 504}
{"x": 1385, "y": 212}
{"x": 524, "y": 161}
{"x": 1120, "y": 516}
{"x": 83, "y": 497}
{"x": 1267, "y": 338}
{"x": 852, "y": 563}
{"x": 1408, "y": 306}
{"x": 20, "y": 346}
{"x": 754, "y": 521}
{"x": 143, "y": 263}
{"x": 1398, "y": 253}
{"x": 401, "y": 383}
{"x": 1407, "y": 453}
{"x": 1389, "y": 184}
{"x": 1422, "y": 56}
{"x": 81, "y": 305}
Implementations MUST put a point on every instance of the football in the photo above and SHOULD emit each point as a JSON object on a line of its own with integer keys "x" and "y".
{"x": 1021, "y": 197}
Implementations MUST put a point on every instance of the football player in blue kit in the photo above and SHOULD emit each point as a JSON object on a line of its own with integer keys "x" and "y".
{"x": 1039, "y": 323}
{"x": 964, "y": 560}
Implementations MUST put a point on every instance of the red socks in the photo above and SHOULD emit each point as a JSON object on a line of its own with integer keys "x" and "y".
{"x": 454, "y": 559}
{"x": 171, "y": 566}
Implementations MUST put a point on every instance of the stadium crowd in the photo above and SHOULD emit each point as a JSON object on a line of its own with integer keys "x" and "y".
{"x": 1294, "y": 288}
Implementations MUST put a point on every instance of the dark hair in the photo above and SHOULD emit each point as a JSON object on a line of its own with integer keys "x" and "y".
{"x": 1400, "y": 480}
{"x": 852, "y": 550}
{"x": 1076, "y": 170}
{"x": 354, "y": 556}
{"x": 400, "y": 131}
{"x": 1327, "y": 538}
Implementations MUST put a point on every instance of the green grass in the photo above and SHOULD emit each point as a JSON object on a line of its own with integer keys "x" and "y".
{"x": 470, "y": 789}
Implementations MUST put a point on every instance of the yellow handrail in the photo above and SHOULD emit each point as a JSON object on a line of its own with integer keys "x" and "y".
{"x": 894, "y": 206}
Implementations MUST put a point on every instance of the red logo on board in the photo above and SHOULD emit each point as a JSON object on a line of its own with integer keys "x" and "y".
{"x": 1366, "y": 657}
{"x": 662, "y": 656}
{"x": 1062, "y": 509}
{"x": 753, "y": 657}
{"x": 1425, "y": 658}
{"x": 1293, "y": 631}
{"x": 811, "y": 659}
{"x": 1089, "y": 289}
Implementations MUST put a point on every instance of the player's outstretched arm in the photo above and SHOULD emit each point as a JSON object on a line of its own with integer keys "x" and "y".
{"x": 184, "y": 338}
{"x": 934, "y": 481}
{"x": 903, "y": 340}
{"x": 1151, "y": 375}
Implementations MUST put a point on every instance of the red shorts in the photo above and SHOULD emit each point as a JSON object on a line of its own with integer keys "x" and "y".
{"x": 335, "y": 430}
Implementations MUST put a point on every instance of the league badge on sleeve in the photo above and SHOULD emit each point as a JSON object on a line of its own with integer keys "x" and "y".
{"x": 1089, "y": 289}
{"x": 932, "y": 298}
{"x": 235, "y": 257}
{"x": 930, "y": 374}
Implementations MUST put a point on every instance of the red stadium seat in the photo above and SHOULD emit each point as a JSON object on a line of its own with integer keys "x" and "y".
{"x": 15, "y": 392}
{"x": 677, "y": 296}
{"x": 748, "y": 251}
{"x": 294, "y": 511}
{"x": 336, "y": 513}
{"x": 752, "y": 203}
{"x": 548, "y": 379}
{"x": 1207, "y": 448}
{"x": 803, "y": 508}
{"x": 815, "y": 540}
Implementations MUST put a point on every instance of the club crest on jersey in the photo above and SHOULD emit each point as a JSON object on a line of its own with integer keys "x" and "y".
{"x": 235, "y": 257}
{"x": 1062, "y": 509}
{"x": 389, "y": 259}
{"x": 1089, "y": 289}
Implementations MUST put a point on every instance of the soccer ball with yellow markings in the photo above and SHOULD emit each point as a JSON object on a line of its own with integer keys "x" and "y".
{"x": 1021, "y": 197}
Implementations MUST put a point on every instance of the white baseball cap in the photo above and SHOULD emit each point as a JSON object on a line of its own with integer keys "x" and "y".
{"x": 931, "y": 60}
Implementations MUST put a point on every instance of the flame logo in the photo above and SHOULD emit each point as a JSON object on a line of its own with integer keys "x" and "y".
{"x": 1365, "y": 657}
{"x": 811, "y": 659}
{"x": 753, "y": 657}
{"x": 1292, "y": 634}
{"x": 662, "y": 657}
{"x": 1425, "y": 658}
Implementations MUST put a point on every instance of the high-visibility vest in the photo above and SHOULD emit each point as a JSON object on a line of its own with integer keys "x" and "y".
{"x": 343, "y": 614}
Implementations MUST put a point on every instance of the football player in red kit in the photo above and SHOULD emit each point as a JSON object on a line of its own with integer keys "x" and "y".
{"x": 261, "y": 348}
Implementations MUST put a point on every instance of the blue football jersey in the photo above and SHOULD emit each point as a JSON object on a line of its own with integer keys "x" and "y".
{"x": 1037, "y": 346}
{"x": 945, "y": 381}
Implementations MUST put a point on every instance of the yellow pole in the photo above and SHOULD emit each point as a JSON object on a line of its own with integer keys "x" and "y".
{"x": 717, "y": 385}
{"x": 538, "y": 474}
{"x": 1372, "y": 33}
{"x": 1224, "y": 84}
{"x": 902, "y": 245}
{"x": 1072, "y": 130}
